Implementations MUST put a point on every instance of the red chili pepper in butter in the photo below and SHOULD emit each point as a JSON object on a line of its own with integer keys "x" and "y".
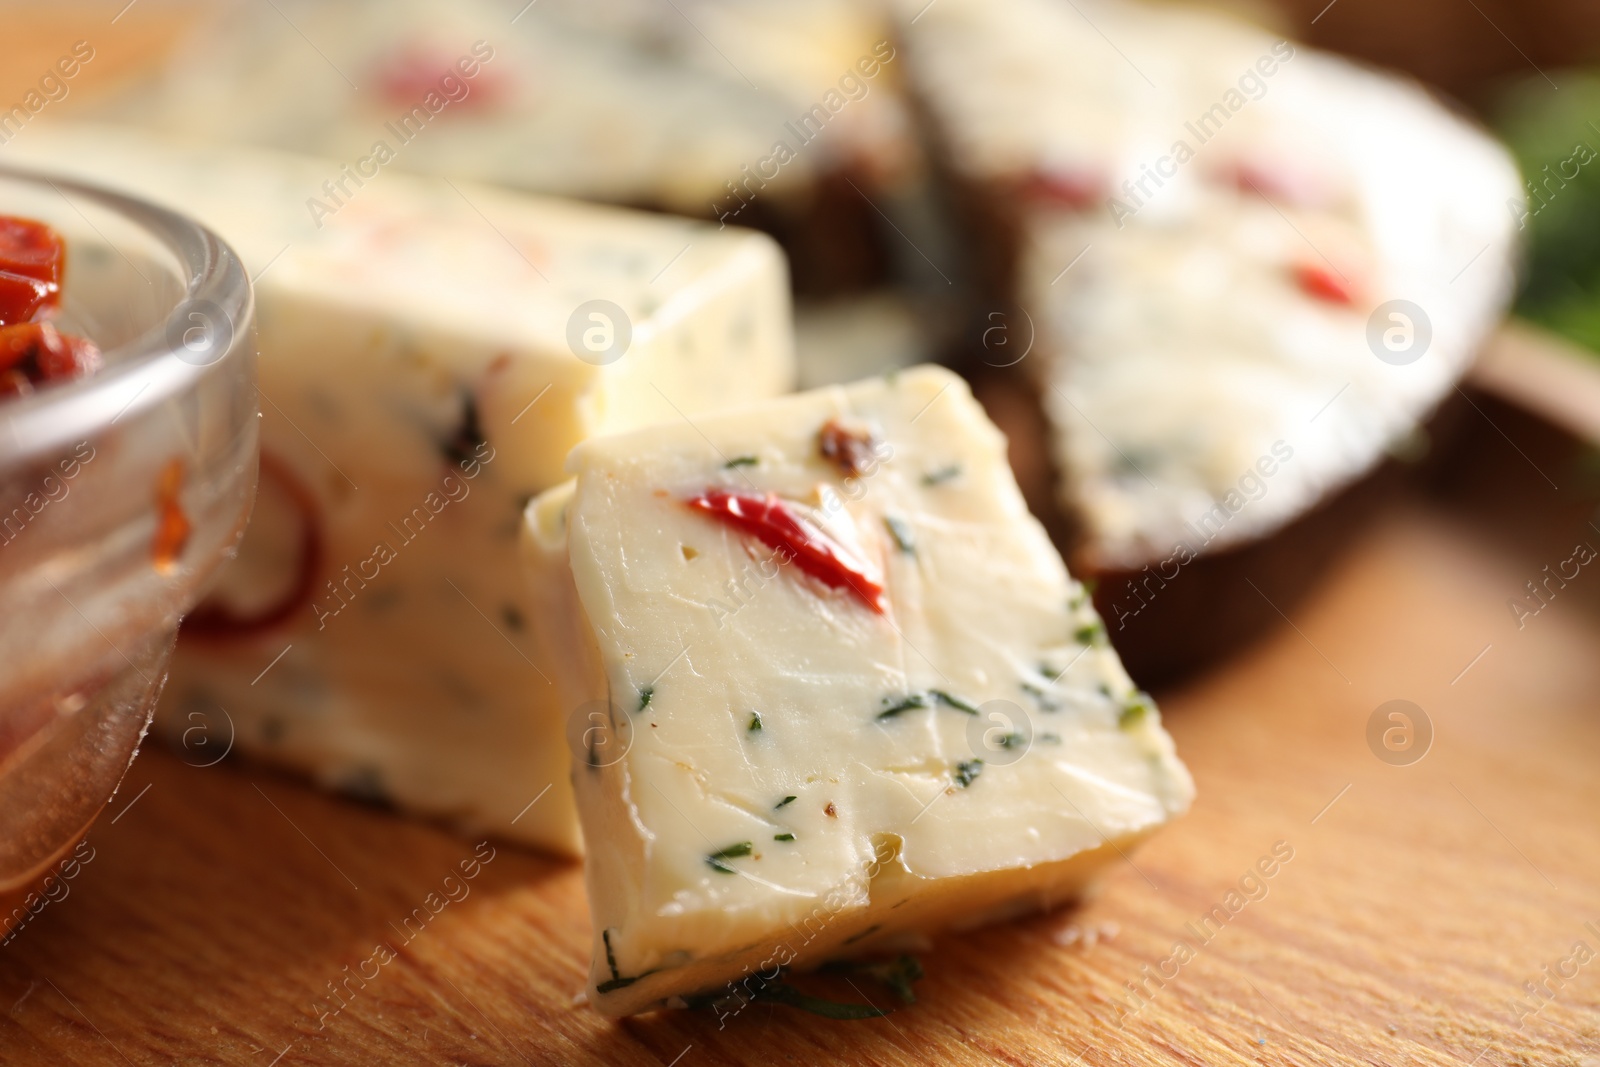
{"x": 812, "y": 549}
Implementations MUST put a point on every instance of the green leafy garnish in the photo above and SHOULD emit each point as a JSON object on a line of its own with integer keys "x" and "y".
{"x": 896, "y": 974}
{"x": 907, "y": 703}
{"x": 786, "y": 800}
{"x": 644, "y": 696}
{"x": 954, "y": 702}
{"x": 1010, "y": 740}
{"x": 942, "y": 475}
{"x": 967, "y": 772}
{"x": 901, "y": 534}
{"x": 755, "y": 721}
{"x": 783, "y": 837}
{"x": 741, "y": 461}
{"x": 716, "y": 859}
{"x": 1550, "y": 135}
{"x": 828, "y": 1009}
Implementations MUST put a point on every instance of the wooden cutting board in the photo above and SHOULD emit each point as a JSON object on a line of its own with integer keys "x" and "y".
{"x": 223, "y": 902}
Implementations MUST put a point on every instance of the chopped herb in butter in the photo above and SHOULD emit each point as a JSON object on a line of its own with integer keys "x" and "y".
{"x": 901, "y": 532}
{"x": 906, "y": 703}
{"x": 956, "y": 702}
{"x": 1134, "y": 710}
{"x": 717, "y": 859}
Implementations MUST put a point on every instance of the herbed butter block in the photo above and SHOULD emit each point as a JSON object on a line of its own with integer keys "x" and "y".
{"x": 421, "y": 381}
{"x": 623, "y": 102}
{"x": 1228, "y": 243}
{"x": 828, "y": 683}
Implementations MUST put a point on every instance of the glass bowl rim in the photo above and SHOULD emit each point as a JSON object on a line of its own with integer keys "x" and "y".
{"x": 40, "y": 425}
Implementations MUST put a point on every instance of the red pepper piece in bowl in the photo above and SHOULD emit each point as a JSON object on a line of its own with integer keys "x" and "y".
{"x": 31, "y": 257}
{"x": 40, "y": 353}
{"x": 22, "y": 297}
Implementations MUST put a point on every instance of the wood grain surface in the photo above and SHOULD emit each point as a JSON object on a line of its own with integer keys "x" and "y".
{"x": 221, "y": 902}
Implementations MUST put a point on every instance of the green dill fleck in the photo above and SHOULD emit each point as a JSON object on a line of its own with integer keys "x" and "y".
{"x": 741, "y": 461}
{"x": 907, "y": 703}
{"x": 755, "y": 721}
{"x": 942, "y": 475}
{"x": 611, "y": 957}
{"x": 1092, "y": 633}
{"x": 893, "y": 377}
{"x": 901, "y": 534}
{"x": 461, "y": 447}
{"x": 863, "y": 935}
{"x": 717, "y": 859}
{"x": 644, "y": 696}
{"x": 1040, "y": 696}
{"x": 786, "y": 800}
{"x": 1134, "y": 709}
{"x": 956, "y": 702}
{"x": 1053, "y": 739}
{"x": 622, "y": 983}
{"x": 967, "y": 772}
{"x": 1011, "y": 740}
{"x": 783, "y": 837}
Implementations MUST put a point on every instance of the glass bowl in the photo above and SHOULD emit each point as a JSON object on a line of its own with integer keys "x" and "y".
{"x": 120, "y": 496}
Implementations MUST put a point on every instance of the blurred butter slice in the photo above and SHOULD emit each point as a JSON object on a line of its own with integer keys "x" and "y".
{"x": 430, "y": 352}
{"x": 832, "y": 684}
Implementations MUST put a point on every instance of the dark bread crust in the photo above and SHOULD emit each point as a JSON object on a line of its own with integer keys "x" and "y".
{"x": 1218, "y": 602}
{"x": 835, "y": 242}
